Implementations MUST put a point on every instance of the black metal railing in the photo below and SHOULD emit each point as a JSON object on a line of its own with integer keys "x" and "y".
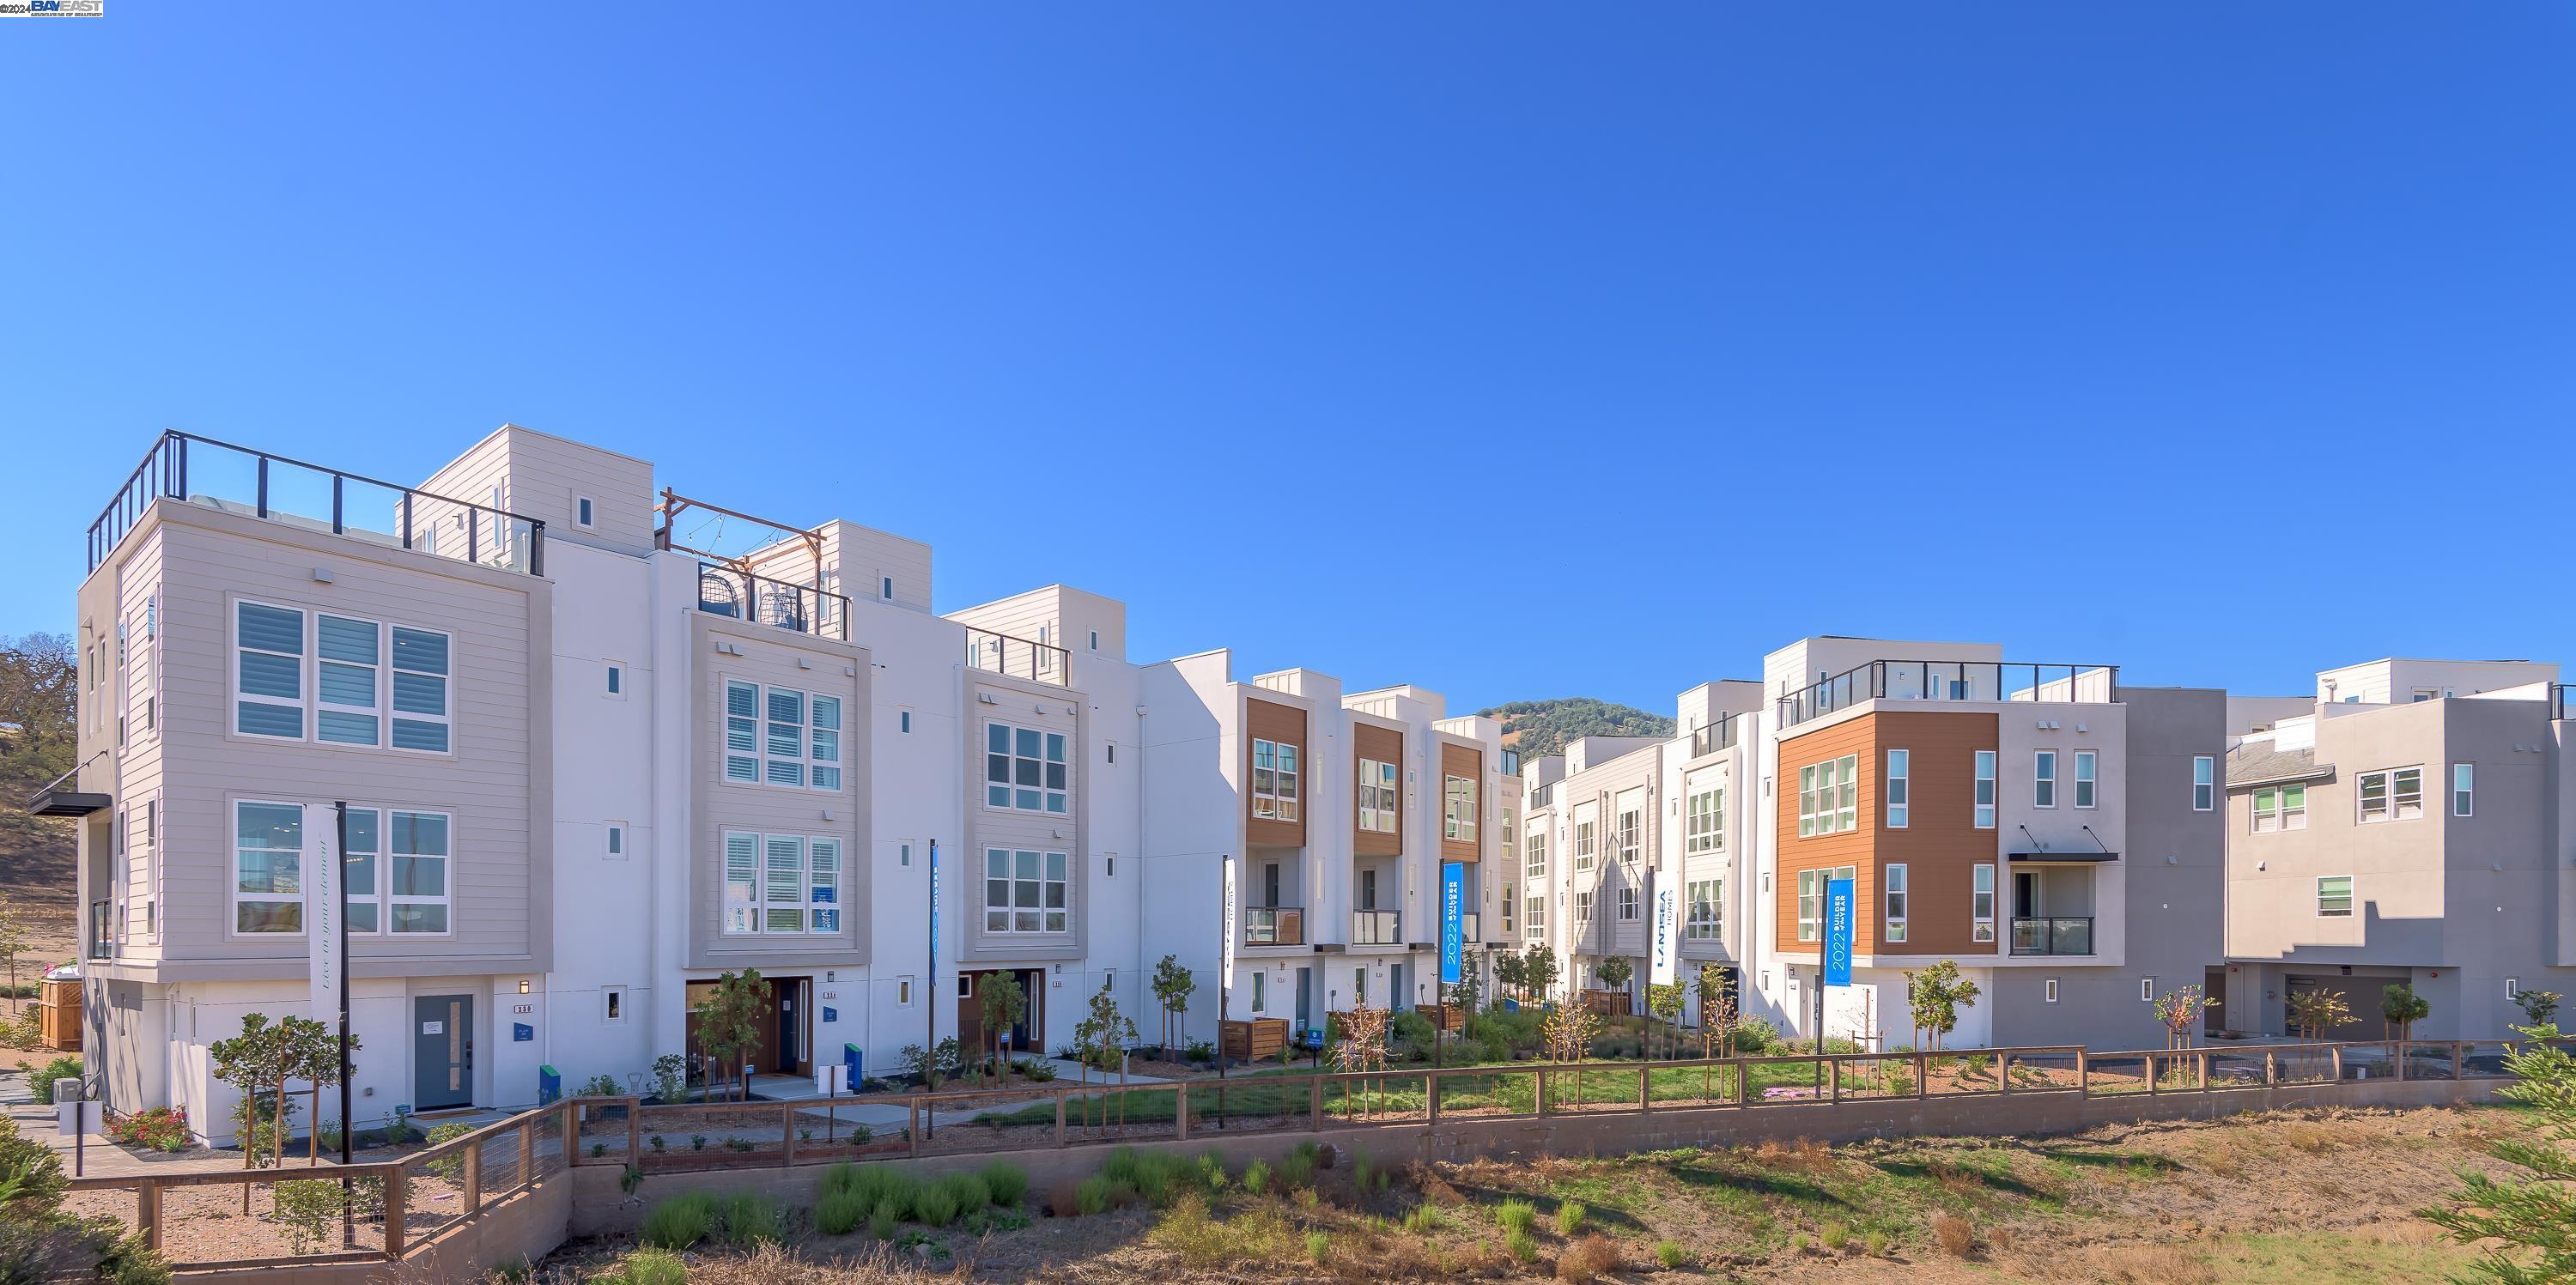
{"x": 997, "y": 653}
{"x": 1951, "y": 680}
{"x": 237, "y": 479}
{"x": 2562, "y": 700}
{"x": 1274, "y": 926}
{"x": 1375, "y": 928}
{"x": 1720, "y": 735}
{"x": 723, "y": 591}
{"x": 102, "y": 935}
{"x": 2053, "y": 935}
{"x": 1538, "y": 798}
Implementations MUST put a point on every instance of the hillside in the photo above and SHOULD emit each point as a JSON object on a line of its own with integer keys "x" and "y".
{"x": 1539, "y": 728}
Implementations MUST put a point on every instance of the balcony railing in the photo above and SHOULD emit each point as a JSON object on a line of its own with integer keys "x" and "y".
{"x": 1274, "y": 926}
{"x": 1375, "y": 928}
{"x": 1539, "y": 797}
{"x": 2562, "y": 700}
{"x": 1471, "y": 927}
{"x": 723, "y": 591}
{"x": 236, "y": 479}
{"x": 1951, "y": 680}
{"x": 2053, "y": 935}
{"x": 102, "y": 937}
{"x": 1719, "y": 735}
{"x": 1018, "y": 658}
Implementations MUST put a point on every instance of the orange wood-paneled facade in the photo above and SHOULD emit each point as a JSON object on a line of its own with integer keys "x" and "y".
{"x": 1383, "y": 745}
{"x": 1283, "y": 725}
{"x": 1461, "y": 760}
{"x": 1940, "y": 845}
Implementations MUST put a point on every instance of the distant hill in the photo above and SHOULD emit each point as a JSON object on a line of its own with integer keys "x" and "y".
{"x": 1537, "y": 729}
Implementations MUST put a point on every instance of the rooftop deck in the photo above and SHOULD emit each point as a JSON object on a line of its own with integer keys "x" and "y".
{"x": 1951, "y": 680}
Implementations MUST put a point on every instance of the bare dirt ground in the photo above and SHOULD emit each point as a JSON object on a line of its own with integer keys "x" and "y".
{"x": 2322, "y": 1196}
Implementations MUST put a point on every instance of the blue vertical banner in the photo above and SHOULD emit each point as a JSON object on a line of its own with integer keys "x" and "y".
{"x": 1453, "y": 912}
{"x": 1838, "y": 932}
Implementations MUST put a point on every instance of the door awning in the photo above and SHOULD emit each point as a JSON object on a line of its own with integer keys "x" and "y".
{"x": 2096, "y": 855}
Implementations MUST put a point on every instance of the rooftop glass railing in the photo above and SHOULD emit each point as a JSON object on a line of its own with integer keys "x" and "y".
{"x": 1951, "y": 680}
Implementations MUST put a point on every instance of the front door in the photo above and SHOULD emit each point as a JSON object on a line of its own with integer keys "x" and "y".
{"x": 2214, "y": 987}
{"x": 791, "y": 1027}
{"x": 442, "y": 1071}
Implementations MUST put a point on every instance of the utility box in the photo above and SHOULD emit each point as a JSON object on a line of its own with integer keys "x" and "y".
{"x": 549, "y": 1085}
{"x": 850, "y": 1064}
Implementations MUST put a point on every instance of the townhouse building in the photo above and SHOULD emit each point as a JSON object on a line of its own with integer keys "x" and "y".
{"x": 2409, "y": 824}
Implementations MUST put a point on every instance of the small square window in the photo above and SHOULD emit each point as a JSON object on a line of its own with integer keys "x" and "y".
{"x": 581, "y": 515}
{"x": 616, "y": 840}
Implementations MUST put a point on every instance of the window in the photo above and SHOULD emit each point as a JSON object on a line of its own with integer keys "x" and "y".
{"x": 268, "y": 674}
{"x": 2085, "y": 785}
{"x": 581, "y": 512}
{"x": 1583, "y": 909}
{"x": 903, "y": 992}
{"x": 1704, "y": 822}
{"x": 1368, "y": 890}
{"x": 781, "y": 736}
{"x": 1095, "y": 640}
{"x": 1258, "y": 997}
{"x": 1628, "y": 904}
{"x": 1981, "y": 904}
{"x": 1705, "y": 917}
{"x": 616, "y": 839}
{"x": 2048, "y": 990}
{"x": 2204, "y": 783}
{"x": 2147, "y": 990}
{"x": 1895, "y": 881}
{"x": 903, "y": 721}
{"x": 2334, "y": 896}
{"x": 2043, "y": 779}
{"x": 2464, "y": 782}
{"x": 1985, "y": 799}
{"x": 1536, "y": 853}
{"x": 416, "y": 899}
{"x": 1377, "y": 796}
{"x": 347, "y": 692}
{"x": 2392, "y": 795}
{"x": 2281, "y": 808}
{"x": 345, "y": 678}
{"x": 1811, "y": 904}
{"x": 781, "y": 883}
{"x": 1630, "y": 835}
{"x": 1511, "y": 828}
{"x": 1900, "y": 788}
{"x": 1534, "y": 916}
{"x": 616, "y": 680}
{"x": 612, "y": 1005}
{"x": 885, "y": 588}
{"x": 1510, "y": 903}
{"x": 1829, "y": 797}
{"x": 420, "y": 705}
{"x": 1024, "y": 892}
{"x": 1583, "y": 837}
{"x": 1024, "y": 769}
{"x": 1274, "y": 780}
{"x": 1458, "y": 809}
{"x": 268, "y": 879}
{"x": 826, "y": 753}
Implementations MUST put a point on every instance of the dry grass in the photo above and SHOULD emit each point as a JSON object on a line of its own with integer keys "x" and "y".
{"x": 1956, "y": 1237}
{"x": 2315, "y": 1139}
{"x": 1588, "y": 1259}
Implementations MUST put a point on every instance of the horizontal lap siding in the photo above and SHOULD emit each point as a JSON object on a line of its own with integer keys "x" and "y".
{"x": 1386, "y": 745}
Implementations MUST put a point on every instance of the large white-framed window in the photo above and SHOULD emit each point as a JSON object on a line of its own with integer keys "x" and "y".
{"x": 783, "y": 746}
{"x": 1985, "y": 799}
{"x": 2087, "y": 788}
{"x": 1534, "y": 916}
{"x": 1024, "y": 769}
{"x": 1458, "y": 809}
{"x": 1536, "y": 853}
{"x": 1899, "y": 789}
{"x": 268, "y": 873}
{"x": 823, "y": 745}
{"x": 1981, "y": 903}
{"x": 423, "y": 706}
{"x": 328, "y": 678}
{"x": 268, "y": 672}
{"x": 1704, "y": 821}
{"x": 781, "y": 736}
{"x": 1274, "y": 780}
{"x": 781, "y": 884}
{"x": 2043, "y": 779}
{"x": 1025, "y": 891}
{"x": 1630, "y": 835}
{"x": 1378, "y": 810}
{"x": 2464, "y": 789}
{"x": 418, "y": 889}
{"x": 1811, "y": 898}
{"x": 1583, "y": 908}
{"x": 1584, "y": 840}
{"x": 2391, "y": 794}
{"x": 1510, "y": 830}
{"x": 2334, "y": 896}
{"x": 1829, "y": 797}
{"x": 1705, "y": 919}
{"x": 2204, "y": 782}
{"x": 346, "y": 676}
{"x": 2280, "y": 808}
{"x": 1628, "y": 903}
{"x": 1893, "y": 881}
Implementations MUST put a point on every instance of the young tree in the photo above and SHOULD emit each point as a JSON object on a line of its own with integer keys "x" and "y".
{"x": 1935, "y": 995}
{"x": 729, "y": 1024}
{"x": 2403, "y": 1008}
{"x": 1665, "y": 1002}
{"x": 1173, "y": 987}
{"x": 2178, "y": 1011}
{"x": 1568, "y": 1032}
{"x": 2315, "y": 1012}
{"x": 1539, "y": 970}
{"x": 1512, "y": 974}
{"x": 2531, "y": 1221}
{"x": 311, "y": 1051}
{"x": 1102, "y": 1034}
{"x": 14, "y": 931}
{"x": 1614, "y": 972}
{"x": 1717, "y": 1011}
{"x": 250, "y": 1062}
{"x": 1004, "y": 1005}
{"x": 2539, "y": 1007}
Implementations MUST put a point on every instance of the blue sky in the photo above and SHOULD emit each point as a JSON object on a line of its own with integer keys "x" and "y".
{"x": 1516, "y": 351}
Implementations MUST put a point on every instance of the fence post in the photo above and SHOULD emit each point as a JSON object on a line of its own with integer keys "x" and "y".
{"x": 2155, "y": 1080}
{"x": 571, "y": 1131}
{"x": 2003, "y": 1070}
{"x": 2397, "y": 1051}
{"x": 2459, "y": 1059}
{"x": 635, "y": 1132}
{"x": 1743, "y": 1082}
{"x": 1645, "y": 1089}
{"x": 527, "y": 1154}
{"x": 1922, "y": 1075}
{"x": 787, "y": 1134}
{"x": 1833, "y": 1076}
{"x": 397, "y": 1179}
{"x": 473, "y": 1179}
{"x": 1181, "y": 1108}
{"x": 1431, "y": 1098}
{"x": 2271, "y": 1068}
{"x": 1541, "y": 1101}
{"x": 1315, "y": 1104}
{"x": 1059, "y": 1118}
{"x": 2334, "y": 1058}
{"x": 912, "y": 1133}
{"x": 2202, "y": 1057}
{"x": 2083, "y": 1074}
{"x": 147, "y": 1212}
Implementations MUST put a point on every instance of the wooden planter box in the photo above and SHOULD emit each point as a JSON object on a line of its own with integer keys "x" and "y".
{"x": 1251, "y": 1041}
{"x": 1607, "y": 1003}
{"x": 58, "y": 1016}
{"x": 1448, "y": 1017}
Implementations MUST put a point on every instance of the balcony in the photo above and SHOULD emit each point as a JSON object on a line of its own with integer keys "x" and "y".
{"x": 1018, "y": 658}
{"x": 1720, "y": 735}
{"x": 724, "y": 591}
{"x": 2562, "y": 700}
{"x": 2053, "y": 935}
{"x": 1951, "y": 680}
{"x": 1375, "y": 928}
{"x": 102, "y": 941}
{"x": 235, "y": 479}
{"x": 1471, "y": 928}
{"x": 1274, "y": 926}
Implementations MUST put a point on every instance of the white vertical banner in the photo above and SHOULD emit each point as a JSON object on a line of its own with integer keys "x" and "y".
{"x": 318, "y": 873}
{"x": 1665, "y": 965}
{"x": 1225, "y": 934}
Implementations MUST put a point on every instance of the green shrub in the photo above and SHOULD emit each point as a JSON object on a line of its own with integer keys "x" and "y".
{"x": 1256, "y": 1178}
{"x": 1756, "y": 1035}
{"x": 935, "y": 1204}
{"x": 1211, "y": 1171}
{"x": 1522, "y": 1246}
{"x": 41, "y": 1080}
{"x": 1318, "y": 1247}
{"x": 1004, "y": 1183}
{"x": 840, "y": 1212}
{"x": 602, "y": 1085}
{"x": 452, "y": 1165}
{"x": 1833, "y": 1236}
{"x": 882, "y": 1223}
{"x": 1100, "y": 1193}
{"x": 1875, "y": 1244}
{"x": 649, "y": 1267}
{"x": 968, "y": 1190}
{"x": 1298, "y": 1170}
{"x": 1569, "y": 1218}
{"x": 681, "y": 1221}
{"x": 1422, "y": 1220}
{"x": 308, "y": 1208}
{"x": 752, "y": 1220}
{"x": 1158, "y": 1176}
{"x": 1515, "y": 1215}
{"x": 1670, "y": 1253}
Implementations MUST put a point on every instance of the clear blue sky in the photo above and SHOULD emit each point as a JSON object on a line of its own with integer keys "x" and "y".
{"x": 1517, "y": 351}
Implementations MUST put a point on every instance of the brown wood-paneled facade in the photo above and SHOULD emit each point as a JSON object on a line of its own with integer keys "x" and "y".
{"x": 1939, "y": 846}
{"x": 1382, "y": 745}
{"x": 1469, "y": 762}
{"x": 1281, "y": 725}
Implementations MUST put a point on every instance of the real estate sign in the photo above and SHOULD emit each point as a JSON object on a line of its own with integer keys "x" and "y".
{"x": 1663, "y": 962}
{"x": 1453, "y": 921}
{"x": 1838, "y": 932}
{"x": 320, "y": 862}
{"x": 1225, "y": 933}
